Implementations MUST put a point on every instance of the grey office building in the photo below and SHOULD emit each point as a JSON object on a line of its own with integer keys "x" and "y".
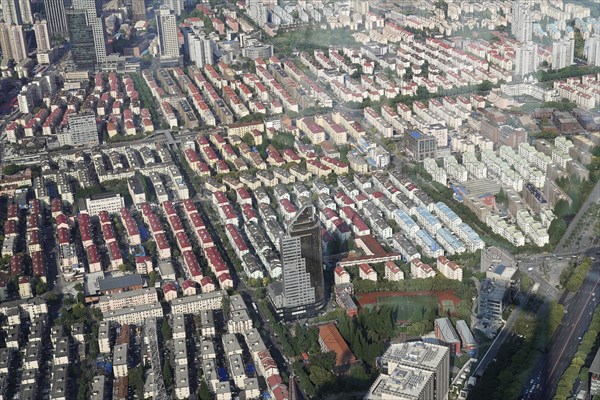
{"x": 301, "y": 290}
{"x": 83, "y": 52}
{"x": 87, "y": 34}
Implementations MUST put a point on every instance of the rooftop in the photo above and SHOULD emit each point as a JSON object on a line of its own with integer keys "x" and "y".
{"x": 331, "y": 338}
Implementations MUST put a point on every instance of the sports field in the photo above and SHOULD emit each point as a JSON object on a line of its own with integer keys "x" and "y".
{"x": 406, "y": 303}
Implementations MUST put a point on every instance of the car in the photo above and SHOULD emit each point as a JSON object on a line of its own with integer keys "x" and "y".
{"x": 530, "y": 269}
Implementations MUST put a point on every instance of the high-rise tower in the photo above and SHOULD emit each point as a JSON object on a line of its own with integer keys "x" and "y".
{"x": 83, "y": 18}
{"x": 42, "y": 37}
{"x": 56, "y": 17}
{"x": 526, "y": 60}
{"x": 83, "y": 52}
{"x": 17, "y": 12}
{"x": 302, "y": 289}
{"x": 166, "y": 26}
{"x": 12, "y": 41}
{"x": 563, "y": 52}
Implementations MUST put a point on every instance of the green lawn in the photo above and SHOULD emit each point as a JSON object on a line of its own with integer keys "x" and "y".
{"x": 405, "y": 306}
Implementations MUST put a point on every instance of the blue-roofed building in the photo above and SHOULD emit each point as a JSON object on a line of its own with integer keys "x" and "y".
{"x": 406, "y": 223}
{"x": 427, "y": 220}
{"x": 447, "y": 216}
{"x": 470, "y": 238}
{"x": 450, "y": 243}
{"x": 428, "y": 245}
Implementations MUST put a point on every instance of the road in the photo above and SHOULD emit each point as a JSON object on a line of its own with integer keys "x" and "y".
{"x": 593, "y": 198}
{"x": 565, "y": 341}
{"x": 497, "y": 343}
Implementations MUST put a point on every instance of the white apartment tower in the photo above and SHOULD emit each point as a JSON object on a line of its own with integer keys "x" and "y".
{"x": 12, "y": 41}
{"x": 521, "y": 23}
{"x": 166, "y": 25}
{"x": 175, "y": 5}
{"x": 17, "y": 12}
{"x": 526, "y": 59}
{"x": 198, "y": 46}
{"x": 562, "y": 53}
{"x": 42, "y": 38}
{"x": 592, "y": 50}
{"x": 257, "y": 11}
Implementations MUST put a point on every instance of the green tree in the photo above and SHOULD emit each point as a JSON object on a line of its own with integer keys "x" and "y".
{"x": 12, "y": 169}
{"x": 136, "y": 380}
{"x": 203, "y": 391}
{"x": 152, "y": 278}
{"x": 167, "y": 372}
{"x": 40, "y": 287}
{"x": 165, "y": 329}
{"x": 225, "y": 306}
{"x": 324, "y": 360}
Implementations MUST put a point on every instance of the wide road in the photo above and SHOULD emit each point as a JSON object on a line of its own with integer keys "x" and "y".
{"x": 594, "y": 197}
{"x": 566, "y": 339}
{"x": 499, "y": 341}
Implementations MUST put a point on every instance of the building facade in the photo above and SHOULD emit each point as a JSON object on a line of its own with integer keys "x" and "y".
{"x": 592, "y": 50}
{"x": 110, "y": 202}
{"x": 526, "y": 59}
{"x": 420, "y": 146}
{"x": 166, "y": 26}
{"x": 56, "y": 17}
{"x": 563, "y": 52}
{"x": 42, "y": 36}
{"x": 302, "y": 289}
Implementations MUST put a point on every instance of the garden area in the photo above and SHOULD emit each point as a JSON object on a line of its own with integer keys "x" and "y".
{"x": 365, "y": 336}
{"x": 406, "y": 305}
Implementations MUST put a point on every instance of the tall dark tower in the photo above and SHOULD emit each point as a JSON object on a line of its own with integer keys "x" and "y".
{"x": 302, "y": 288}
{"x": 83, "y": 51}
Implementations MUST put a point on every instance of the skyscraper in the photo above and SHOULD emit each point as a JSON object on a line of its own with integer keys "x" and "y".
{"x": 17, "y": 12}
{"x": 166, "y": 26}
{"x": 197, "y": 46}
{"x": 521, "y": 23}
{"x": 592, "y": 50}
{"x": 175, "y": 5}
{"x": 526, "y": 59}
{"x": 562, "y": 53}
{"x": 56, "y": 17}
{"x": 12, "y": 41}
{"x": 5, "y": 40}
{"x": 83, "y": 52}
{"x": 42, "y": 38}
{"x": 77, "y": 26}
{"x": 257, "y": 12}
{"x": 302, "y": 289}
{"x": 138, "y": 8}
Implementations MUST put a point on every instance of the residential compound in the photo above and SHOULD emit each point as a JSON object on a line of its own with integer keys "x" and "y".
{"x": 270, "y": 164}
